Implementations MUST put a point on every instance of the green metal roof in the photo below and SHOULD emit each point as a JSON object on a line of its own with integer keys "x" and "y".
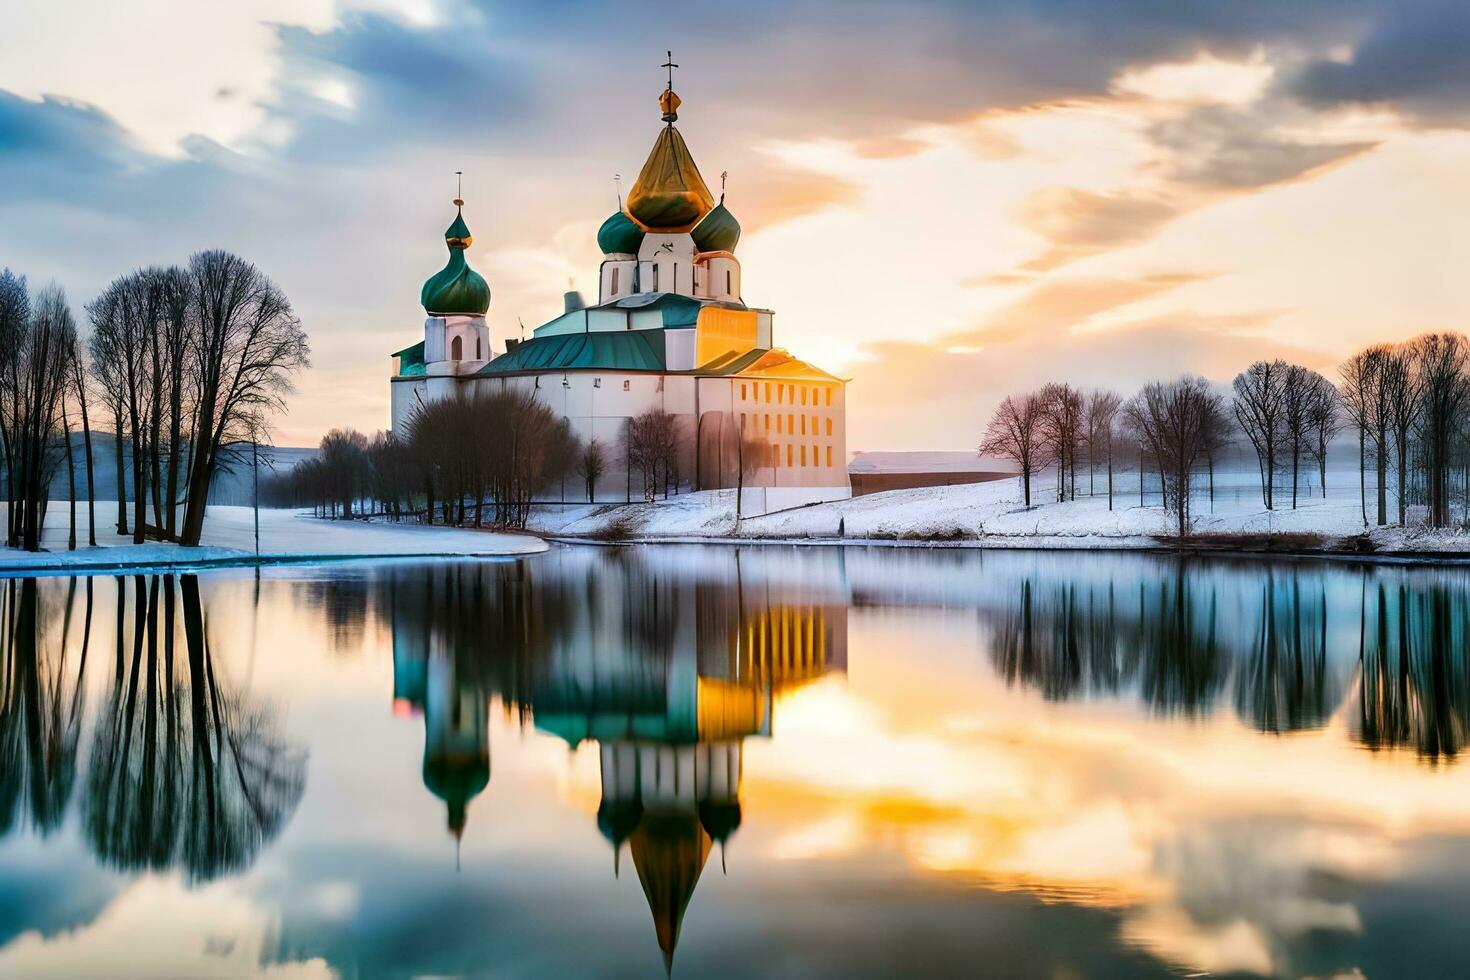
{"x": 411, "y": 361}
{"x": 621, "y": 350}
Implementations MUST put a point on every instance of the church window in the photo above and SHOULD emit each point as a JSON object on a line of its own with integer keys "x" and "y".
{"x": 803, "y": 394}
{"x": 780, "y": 394}
{"x": 729, "y": 287}
{"x": 627, "y": 385}
{"x": 790, "y": 422}
{"x": 742, "y": 392}
{"x": 768, "y": 391}
{"x": 615, "y": 281}
{"x": 768, "y": 421}
{"x": 829, "y": 455}
{"x": 803, "y": 425}
{"x": 829, "y": 397}
{"x": 676, "y": 277}
{"x": 778, "y": 423}
{"x": 829, "y": 429}
{"x": 655, "y": 277}
{"x": 803, "y": 455}
{"x": 789, "y": 454}
{"x": 456, "y": 349}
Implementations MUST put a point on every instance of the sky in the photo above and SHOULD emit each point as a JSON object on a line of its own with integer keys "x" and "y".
{"x": 943, "y": 202}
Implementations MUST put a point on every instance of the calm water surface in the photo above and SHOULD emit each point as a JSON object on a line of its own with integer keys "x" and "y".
{"x": 758, "y": 762}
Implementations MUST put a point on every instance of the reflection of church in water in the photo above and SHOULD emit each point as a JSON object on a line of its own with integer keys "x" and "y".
{"x": 668, "y": 677}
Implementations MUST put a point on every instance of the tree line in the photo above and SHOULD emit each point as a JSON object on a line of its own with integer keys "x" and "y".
{"x": 1408, "y": 403}
{"x": 479, "y": 460}
{"x": 184, "y": 362}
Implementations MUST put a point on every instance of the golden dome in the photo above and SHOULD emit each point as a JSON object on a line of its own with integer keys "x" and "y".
{"x": 669, "y": 194}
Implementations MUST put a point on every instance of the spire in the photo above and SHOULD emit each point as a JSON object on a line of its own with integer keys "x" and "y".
{"x": 669, "y": 194}
{"x": 668, "y": 101}
{"x": 456, "y": 289}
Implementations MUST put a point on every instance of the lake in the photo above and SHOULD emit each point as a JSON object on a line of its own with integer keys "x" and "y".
{"x": 766, "y": 761}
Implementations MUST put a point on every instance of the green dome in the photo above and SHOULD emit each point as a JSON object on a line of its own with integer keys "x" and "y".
{"x": 617, "y": 821}
{"x": 619, "y": 234}
{"x": 718, "y": 231}
{"x": 456, "y": 289}
{"x": 720, "y": 820}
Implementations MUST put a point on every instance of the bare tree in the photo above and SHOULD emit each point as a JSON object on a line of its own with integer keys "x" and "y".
{"x": 1015, "y": 433}
{"x": 591, "y": 464}
{"x": 36, "y": 344}
{"x": 1258, "y": 408}
{"x": 105, "y": 348}
{"x": 1175, "y": 419}
{"x": 172, "y": 394}
{"x": 247, "y": 345}
{"x": 1324, "y": 421}
{"x": 1442, "y": 387}
{"x": 1399, "y": 388}
{"x": 652, "y": 446}
{"x": 78, "y": 390}
{"x": 1308, "y": 404}
{"x": 15, "y": 326}
{"x": 1362, "y": 376}
{"x": 345, "y": 463}
{"x": 1100, "y": 413}
{"x": 1061, "y": 427}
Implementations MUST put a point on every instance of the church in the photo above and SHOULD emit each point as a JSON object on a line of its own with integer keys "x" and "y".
{"x": 670, "y": 330}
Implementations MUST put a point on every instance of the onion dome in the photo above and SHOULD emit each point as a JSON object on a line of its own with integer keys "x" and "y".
{"x": 669, "y": 194}
{"x": 619, "y": 234}
{"x": 717, "y": 231}
{"x": 456, "y": 289}
{"x": 456, "y": 781}
{"x": 719, "y": 820}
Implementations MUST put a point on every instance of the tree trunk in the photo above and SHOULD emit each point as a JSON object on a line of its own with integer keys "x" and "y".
{"x": 122, "y": 483}
{"x": 1403, "y": 467}
{"x": 1381, "y": 464}
{"x": 1363, "y": 474}
{"x": 91, "y": 485}
{"x": 71, "y": 485}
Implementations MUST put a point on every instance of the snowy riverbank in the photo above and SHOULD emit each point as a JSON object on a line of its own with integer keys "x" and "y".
{"x": 285, "y": 535}
{"x": 991, "y": 515}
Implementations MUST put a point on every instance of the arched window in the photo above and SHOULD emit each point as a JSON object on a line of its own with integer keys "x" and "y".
{"x": 478, "y": 356}
{"x": 456, "y": 349}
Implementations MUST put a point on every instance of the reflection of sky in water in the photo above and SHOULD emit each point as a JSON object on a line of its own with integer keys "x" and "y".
{"x": 1034, "y": 764}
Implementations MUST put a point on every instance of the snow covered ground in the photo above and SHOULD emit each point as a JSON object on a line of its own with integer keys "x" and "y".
{"x": 285, "y": 535}
{"x": 992, "y": 515}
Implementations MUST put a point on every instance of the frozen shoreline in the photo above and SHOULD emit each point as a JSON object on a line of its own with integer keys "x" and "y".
{"x": 286, "y": 536}
{"x": 991, "y": 515}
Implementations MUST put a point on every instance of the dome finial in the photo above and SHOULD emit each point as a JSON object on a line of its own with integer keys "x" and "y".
{"x": 668, "y": 101}
{"x": 459, "y": 188}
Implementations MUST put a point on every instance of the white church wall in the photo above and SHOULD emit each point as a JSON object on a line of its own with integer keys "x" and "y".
{"x": 403, "y": 396}
{"x": 679, "y": 347}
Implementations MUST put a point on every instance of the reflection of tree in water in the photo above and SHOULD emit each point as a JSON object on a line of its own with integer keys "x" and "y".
{"x": 1413, "y": 688}
{"x": 1067, "y": 639}
{"x": 1064, "y": 640}
{"x": 184, "y": 770}
{"x": 1284, "y": 685}
{"x": 41, "y": 706}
